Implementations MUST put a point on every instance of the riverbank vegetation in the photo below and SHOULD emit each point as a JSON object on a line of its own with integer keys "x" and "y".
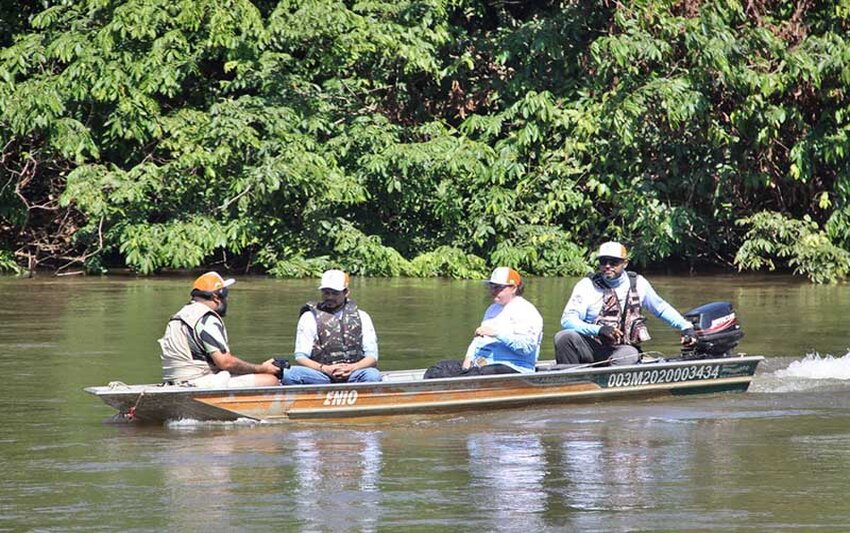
{"x": 425, "y": 138}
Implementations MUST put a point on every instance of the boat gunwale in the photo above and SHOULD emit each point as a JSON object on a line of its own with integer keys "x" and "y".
{"x": 582, "y": 370}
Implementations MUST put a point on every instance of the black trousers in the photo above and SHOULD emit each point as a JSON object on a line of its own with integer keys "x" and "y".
{"x": 451, "y": 368}
{"x": 572, "y": 348}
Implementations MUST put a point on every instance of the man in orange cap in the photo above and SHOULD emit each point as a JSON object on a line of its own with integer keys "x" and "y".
{"x": 195, "y": 348}
{"x": 508, "y": 339}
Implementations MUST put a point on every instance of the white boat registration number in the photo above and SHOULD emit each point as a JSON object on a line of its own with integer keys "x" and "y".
{"x": 665, "y": 375}
{"x": 341, "y": 397}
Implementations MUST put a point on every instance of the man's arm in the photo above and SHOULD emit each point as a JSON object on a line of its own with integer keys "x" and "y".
{"x": 370, "y": 337}
{"x": 214, "y": 341}
{"x": 659, "y": 307}
{"x": 234, "y": 365}
{"x": 575, "y": 312}
{"x": 305, "y": 337}
{"x": 470, "y": 352}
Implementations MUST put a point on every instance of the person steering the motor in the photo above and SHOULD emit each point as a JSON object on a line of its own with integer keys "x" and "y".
{"x": 602, "y": 320}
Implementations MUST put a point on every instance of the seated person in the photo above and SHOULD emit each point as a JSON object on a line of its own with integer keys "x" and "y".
{"x": 335, "y": 341}
{"x": 602, "y": 320}
{"x": 195, "y": 348}
{"x": 508, "y": 339}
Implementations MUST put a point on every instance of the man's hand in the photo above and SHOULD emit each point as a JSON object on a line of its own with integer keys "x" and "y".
{"x": 689, "y": 337}
{"x": 338, "y": 371}
{"x": 341, "y": 371}
{"x": 268, "y": 367}
{"x": 610, "y": 333}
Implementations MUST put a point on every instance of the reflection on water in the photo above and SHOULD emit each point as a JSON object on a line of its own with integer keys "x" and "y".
{"x": 604, "y": 472}
{"x": 334, "y": 471}
{"x": 712, "y": 462}
{"x": 506, "y": 478}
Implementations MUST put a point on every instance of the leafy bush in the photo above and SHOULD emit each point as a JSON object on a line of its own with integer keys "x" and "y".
{"x": 798, "y": 244}
{"x": 364, "y": 255}
{"x": 8, "y": 263}
{"x": 300, "y": 267}
{"x": 543, "y": 251}
{"x": 449, "y": 262}
{"x": 154, "y": 133}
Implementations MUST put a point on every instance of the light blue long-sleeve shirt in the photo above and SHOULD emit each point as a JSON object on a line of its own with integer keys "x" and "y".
{"x": 585, "y": 304}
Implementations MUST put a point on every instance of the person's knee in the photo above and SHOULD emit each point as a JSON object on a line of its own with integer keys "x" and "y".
{"x": 266, "y": 380}
{"x": 300, "y": 375}
{"x": 288, "y": 377}
{"x": 567, "y": 347}
{"x": 566, "y": 337}
{"x": 625, "y": 355}
{"x": 368, "y": 374}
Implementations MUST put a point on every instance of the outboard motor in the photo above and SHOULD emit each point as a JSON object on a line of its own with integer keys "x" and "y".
{"x": 717, "y": 331}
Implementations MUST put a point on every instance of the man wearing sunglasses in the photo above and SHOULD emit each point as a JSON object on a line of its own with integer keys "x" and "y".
{"x": 195, "y": 349}
{"x": 335, "y": 341}
{"x": 602, "y": 320}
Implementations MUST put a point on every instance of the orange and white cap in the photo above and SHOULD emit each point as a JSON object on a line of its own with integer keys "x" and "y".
{"x": 336, "y": 280}
{"x": 613, "y": 249}
{"x": 504, "y": 276}
{"x": 211, "y": 282}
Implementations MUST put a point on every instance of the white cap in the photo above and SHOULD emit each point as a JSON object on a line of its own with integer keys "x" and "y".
{"x": 504, "y": 276}
{"x": 612, "y": 249}
{"x": 336, "y": 280}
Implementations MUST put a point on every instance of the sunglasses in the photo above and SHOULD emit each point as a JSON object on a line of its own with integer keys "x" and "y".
{"x": 612, "y": 261}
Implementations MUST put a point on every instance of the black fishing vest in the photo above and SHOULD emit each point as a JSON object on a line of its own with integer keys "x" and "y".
{"x": 338, "y": 340}
{"x": 628, "y": 320}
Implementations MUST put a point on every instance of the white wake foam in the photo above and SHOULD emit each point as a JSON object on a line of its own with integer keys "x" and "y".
{"x": 191, "y": 423}
{"x": 815, "y": 366}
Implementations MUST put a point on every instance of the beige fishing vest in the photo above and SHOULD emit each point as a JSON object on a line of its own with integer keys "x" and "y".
{"x": 182, "y": 356}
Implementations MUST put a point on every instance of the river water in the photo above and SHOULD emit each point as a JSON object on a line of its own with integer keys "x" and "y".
{"x": 774, "y": 458}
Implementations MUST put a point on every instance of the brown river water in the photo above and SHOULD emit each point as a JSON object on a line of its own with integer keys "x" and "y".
{"x": 774, "y": 458}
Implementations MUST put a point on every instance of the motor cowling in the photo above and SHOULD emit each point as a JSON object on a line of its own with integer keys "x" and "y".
{"x": 717, "y": 331}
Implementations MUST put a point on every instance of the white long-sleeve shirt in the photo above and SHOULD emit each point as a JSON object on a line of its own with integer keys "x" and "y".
{"x": 519, "y": 331}
{"x": 307, "y": 334}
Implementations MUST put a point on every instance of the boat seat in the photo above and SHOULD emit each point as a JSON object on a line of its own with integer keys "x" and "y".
{"x": 402, "y": 375}
{"x": 547, "y": 367}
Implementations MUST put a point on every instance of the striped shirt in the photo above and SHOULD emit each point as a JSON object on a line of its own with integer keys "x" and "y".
{"x": 213, "y": 335}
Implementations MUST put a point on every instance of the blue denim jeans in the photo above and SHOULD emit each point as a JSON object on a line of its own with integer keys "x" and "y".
{"x": 302, "y": 375}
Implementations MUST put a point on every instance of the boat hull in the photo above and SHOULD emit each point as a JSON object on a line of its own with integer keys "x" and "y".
{"x": 405, "y": 392}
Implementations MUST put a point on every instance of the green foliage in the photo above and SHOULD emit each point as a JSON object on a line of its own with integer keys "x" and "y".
{"x": 543, "y": 251}
{"x": 449, "y": 262}
{"x": 365, "y": 255}
{"x": 417, "y": 137}
{"x": 8, "y": 264}
{"x": 176, "y": 244}
{"x": 838, "y": 227}
{"x": 798, "y": 244}
{"x": 300, "y": 267}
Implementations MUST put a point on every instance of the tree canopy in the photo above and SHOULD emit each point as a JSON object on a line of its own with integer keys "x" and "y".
{"x": 425, "y": 138}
